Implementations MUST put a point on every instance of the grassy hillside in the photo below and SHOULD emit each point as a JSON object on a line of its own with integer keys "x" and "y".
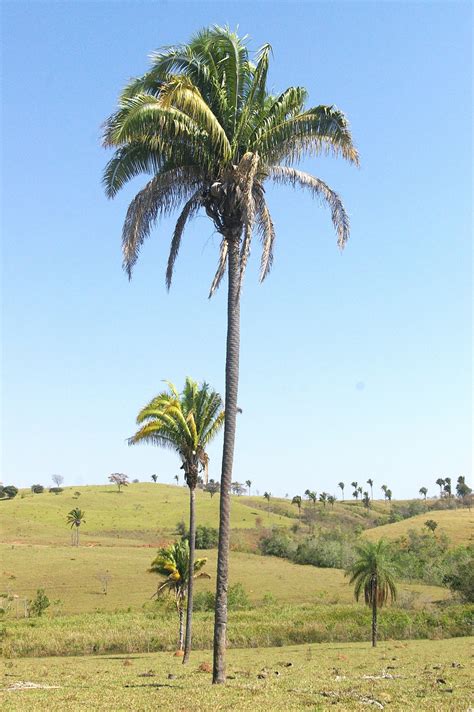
{"x": 72, "y": 575}
{"x": 412, "y": 676}
{"x": 456, "y": 523}
{"x": 140, "y": 513}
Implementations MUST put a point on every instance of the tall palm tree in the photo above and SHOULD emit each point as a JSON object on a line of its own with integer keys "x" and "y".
{"x": 75, "y": 518}
{"x": 249, "y": 484}
{"x": 440, "y": 482}
{"x": 185, "y": 422}
{"x": 203, "y": 123}
{"x": 173, "y": 562}
{"x": 373, "y": 573}
{"x": 341, "y": 487}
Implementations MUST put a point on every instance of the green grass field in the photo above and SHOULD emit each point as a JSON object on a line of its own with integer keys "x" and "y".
{"x": 408, "y": 676}
{"x": 140, "y": 513}
{"x": 72, "y": 575}
{"x": 456, "y": 523}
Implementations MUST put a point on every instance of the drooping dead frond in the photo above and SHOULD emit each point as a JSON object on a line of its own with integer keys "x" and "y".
{"x": 266, "y": 231}
{"x": 221, "y": 267}
{"x": 245, "y": 174}
{"x": 160, "y": 197}
{"x": 188, "y": 212}
{"x": 340, "y": 219}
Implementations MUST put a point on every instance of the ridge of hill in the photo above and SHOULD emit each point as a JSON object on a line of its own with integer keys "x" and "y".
{"x": 457, "y": 524}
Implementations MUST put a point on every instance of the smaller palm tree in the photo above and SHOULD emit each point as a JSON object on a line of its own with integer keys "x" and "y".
{"x": 75, "y": 518}
{"x": 249, "y": 485}
{"x": 323, "y": 498}
{"x": 172, "y": 563}
{"x": 298, "y": 501}
{"x": 332, "y": 500}
{"x": 370, "y": 482}
{"x": 268, "y": 496}
{"x": 154, "y": 478}
{"x": 389, "y": 494}
{"x": 440, "y": 482}
{"x": 423, "y": 491}
{"x": 341, "y": 487}
{"x": 374, "y": 574}
{"x": 366, "y": 500}
{"x": 311, "y": 495}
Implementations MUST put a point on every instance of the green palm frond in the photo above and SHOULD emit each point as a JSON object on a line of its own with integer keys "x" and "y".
{"x": 374, "y": 570}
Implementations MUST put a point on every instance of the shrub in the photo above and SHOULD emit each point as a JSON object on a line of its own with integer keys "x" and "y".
{"x": 460, "y": 575}
{"x": 277, "y": 544}
{"x": 8, "y": 492}
{"x": 39, "y": 604}
{"x": 37, "y": 489}
{"x": 237, "y": 599}
{"x": 56, "y": 490}
{"x": 206, "y": 537}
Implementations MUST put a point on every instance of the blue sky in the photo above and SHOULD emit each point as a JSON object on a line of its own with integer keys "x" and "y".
{"x": 352, "y": 366}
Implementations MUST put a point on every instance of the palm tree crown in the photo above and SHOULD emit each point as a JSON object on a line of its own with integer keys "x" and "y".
{"x": 185, "y": 422}
{"x": 202, "y": 122}
{"x": 374, "y": 562}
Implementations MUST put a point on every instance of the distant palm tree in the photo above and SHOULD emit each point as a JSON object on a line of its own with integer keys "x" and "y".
{"x": 312, "y": 496}
{"x": 172, "y": 562}
{"x": 297, "y": 500}
{"x": 186, "y": 423}
{"x": 370, "y": 482}
{"x": 154, "y": 478}
{"x": 440, "y": 482}
{"x": 389, "y": 495}
{"x": 268, "y": 496}
{"x": 384, "y": 490}
{"x": 447, "y": 486}
{"x": 249, "y": 484}
{"x": 75, "y": 518}
{"x": 332, "y": 500}
{"x": 423, "y": 491}
{"x": 366, "y": 500}
{"x": 323, "y": 498}
{"x": 341, "y": 487}
{"x": 373, "y": 573}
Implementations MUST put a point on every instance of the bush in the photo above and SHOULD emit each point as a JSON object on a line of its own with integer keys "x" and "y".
{"x": 8, "y": 492}
{"x": 37, "y": 489}
{"x": 39, "y": 604}
{"x": 206, "y": 537}
{"x": 460, "y": 575}
{"x": 237, "y": 599}
{"x": 56, "y": 490}
{"x": 277, "y": 544}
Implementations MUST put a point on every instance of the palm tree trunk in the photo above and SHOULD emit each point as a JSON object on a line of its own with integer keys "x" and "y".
{"x": 231, "y": 390}
{"x": 374, "y": 612}
{"x": 181, "y": 625}
{"x": 192, "y": 546}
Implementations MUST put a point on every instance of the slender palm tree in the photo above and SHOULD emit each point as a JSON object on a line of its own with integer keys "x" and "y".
{"x": 268, "y": 496}
{"x": 172, "y": 562}
{"x": 249, "y": 485}
{"x": 341, "y": 487}
{"x": 75, "y": 518}
{"x": 323, "y": 498}
{"x": 298, "y": 501}
{"x": 370, "y": 482}
{"x": 332, "y": 500}
{"x": 373, "y": 573}
{"x": 203, "y": 123}
{"x": 312, "y": 496}
{"x": 388, "y": 494}
{"x": 185, "y": 422}
{"x": 440, "y": 482}
{"x": 423, "y": 491}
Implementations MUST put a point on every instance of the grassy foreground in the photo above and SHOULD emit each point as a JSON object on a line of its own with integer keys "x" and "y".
{"x": 415, "y": 675}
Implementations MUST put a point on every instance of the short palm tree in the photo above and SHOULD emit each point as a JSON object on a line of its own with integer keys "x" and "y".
{"x": 341, "y": 487}
{"x": 172, "y": 563}
{"x": 185, "y": 422}
{"x": 204, "y": 125}
{"x": 298, "y": 501}
{"x": 75, "y": 518}
{"x": 249, "y": 485}
{"x": 423, "y": 491}
{"x": 374, "y": 574}
{"x": 370, "y": 482}
{"x": 268, "y": 496}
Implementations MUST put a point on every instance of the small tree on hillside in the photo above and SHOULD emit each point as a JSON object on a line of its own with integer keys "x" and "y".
{"x": 366, "y": 500}
{"x": 370, "y": 482}
{"x": 212, "y": 487}
{"x": 384, "y": 489}
{"x": 117, "y": 478}
{"x": 8, "y": 492}
{"x": 388, "y": 494}
{"x": 332, "y": 500}
{"x": 37, "y": 489}
{"x": 463, "y": 490}
{"x": 312, "y": 496}
{"x": 341, "y": 487}
{"x": 323, "y": 498}
{"x": 431, "y": 525}
{"x": 237, "y": 488}
{"x": 423, "y": 491}
{"x": 249, "y": 485}
{"x": 268, "y": 496}
{"x": 57, "y": 479}
{"x": 447, "y": 487}
{"x": 298, "y": 501}
{"x": 154, "y": 478}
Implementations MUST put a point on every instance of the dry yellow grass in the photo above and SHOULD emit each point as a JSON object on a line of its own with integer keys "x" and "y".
{"x": 456, "y": 523}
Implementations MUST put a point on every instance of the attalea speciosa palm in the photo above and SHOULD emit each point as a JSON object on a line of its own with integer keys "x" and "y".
{"x": 185, "y": 422}
{"x": 203, "y": 124}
